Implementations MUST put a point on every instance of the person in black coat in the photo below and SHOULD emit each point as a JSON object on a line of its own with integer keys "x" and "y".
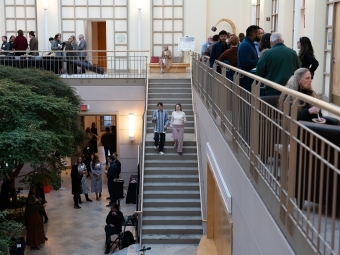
{"x": 94, "y": 138}
{"x": 114, "y": 222}
{"x": 76, "y": 186}
{"x": 306, "y": 55}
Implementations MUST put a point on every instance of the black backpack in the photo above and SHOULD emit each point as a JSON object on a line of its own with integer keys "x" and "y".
{"x": 127, "y": 239}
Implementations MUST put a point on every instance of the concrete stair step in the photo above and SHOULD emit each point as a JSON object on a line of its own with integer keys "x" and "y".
{"x": 186, "y": 149}
{"x": 171, "y": 154}
{"x": 176, "y": 171}
{"x": 189, "y": 117}
{"x": 172, "y": 220}
{"x": 172, "y": 229}
{"x": 186, "y": 130}
{"x": 187, "y": 194}
{"x": 178, "y": 96}
{"x": 188, "y": 111}
{"x": 164, "y": 162}
{"x": 169, "y": 81}
{"x": 177, "y": 85}
{"x": 171, "y": 239}
{"x": 171, "y": 202}
{"x": 172, "y": 211}
{"x": 166, "y": 178}
{"x": 170, "y": 186}
{"x": 188, "y": 123}
{"x": 170, "y": 143}
{"x": 168, "y": 101}
{"x": 170, "y": 89}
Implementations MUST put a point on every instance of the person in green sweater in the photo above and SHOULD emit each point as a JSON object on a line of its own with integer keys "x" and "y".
{"x": 277, "y": 64}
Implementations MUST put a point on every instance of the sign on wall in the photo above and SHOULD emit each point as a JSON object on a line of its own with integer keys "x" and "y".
{"x": 186, "y": 43}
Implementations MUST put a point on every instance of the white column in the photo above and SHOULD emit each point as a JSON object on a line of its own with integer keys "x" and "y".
{"x": 47, "y": 43}
{"x": 297, "y": 24}
{"x": 139, "y": 38}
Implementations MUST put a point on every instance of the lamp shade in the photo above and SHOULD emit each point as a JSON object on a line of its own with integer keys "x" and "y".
{"x": 253, "y": 2}
{"x": 139, "y": 4}
{"x": 131, "y": 126}
{"x": 45, "y": 4}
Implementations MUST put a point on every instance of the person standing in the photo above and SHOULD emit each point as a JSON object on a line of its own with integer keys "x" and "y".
{"x": 112, "y": 173}
{"x": 73, "y": 42}
{"x": 35, "y": 229}
{"x": 11, "y": 42}
{"x": 218, "y": 48}
{"x": 5, "y": 46}
{"x": 20, "y": 44}
{"x": 207, "y": 44}
{"x": 277, "y": 64}
{"x": 231, "y": 54}
{"x": 256, "y": 43}
{"x": 76, "y": 186}
{"x": 107, "y": 141}
{"x": 264, "y": 44}
{"x": 178, "y": 120}
{"x": 84, "y": 187}
{"x": 96, "y": 181}
{"x": 161, "y": 119}
{"x": 207, "y": 51}
{"x": 82, "y": 48}
{"x": 165, "y": 60}
{"x": 306, "y": 55}
{"x": 34, "y": 45}
{"x": 94, "y": 138}
{"x": 56, "y": 45}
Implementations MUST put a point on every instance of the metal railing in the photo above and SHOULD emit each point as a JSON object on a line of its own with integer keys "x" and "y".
{"x": 293, "y": 165}
{"x": 72, "y": 64}
{"x": 141, "y": 162}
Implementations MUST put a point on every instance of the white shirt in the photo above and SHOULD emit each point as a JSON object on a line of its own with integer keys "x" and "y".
{"x": 178, "y": 118}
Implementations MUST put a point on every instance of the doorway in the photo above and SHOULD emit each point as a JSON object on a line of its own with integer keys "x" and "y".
{"x": 99, "y": 43}
{"x": 336, "y": 56}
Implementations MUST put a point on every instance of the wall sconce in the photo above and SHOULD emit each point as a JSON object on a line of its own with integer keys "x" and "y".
{"x": 131, "y": 126}
{"x": 45, "y": 5}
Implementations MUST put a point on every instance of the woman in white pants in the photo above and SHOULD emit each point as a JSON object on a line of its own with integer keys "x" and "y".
{"x": 177, "y": 123}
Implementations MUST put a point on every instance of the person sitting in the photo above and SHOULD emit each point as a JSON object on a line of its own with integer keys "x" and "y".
{"x": 114, "y": 222}
{"x": 165, "y": 60}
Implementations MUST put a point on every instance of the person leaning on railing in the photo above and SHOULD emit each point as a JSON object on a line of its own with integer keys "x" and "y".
{"x": 302, "y": 81}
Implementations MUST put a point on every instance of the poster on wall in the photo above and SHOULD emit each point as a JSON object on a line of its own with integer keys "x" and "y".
{"x": 186, "y": 43}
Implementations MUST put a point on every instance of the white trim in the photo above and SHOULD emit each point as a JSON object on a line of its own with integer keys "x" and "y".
{"x": 221, "y": 184}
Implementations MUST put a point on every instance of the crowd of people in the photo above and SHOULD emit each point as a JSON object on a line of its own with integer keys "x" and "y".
{"x": 266, "y": 55}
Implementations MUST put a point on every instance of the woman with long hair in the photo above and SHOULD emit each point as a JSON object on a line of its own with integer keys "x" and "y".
{"x": 302, "y": 81}
{"x": 306, "y": 55}
{"x": 82, "y": 171}
{"x": 73, "y": 42}
{"x": 178, "y": 120}
{"x": 264, "y": 43}
{"x": 96, "y": 181}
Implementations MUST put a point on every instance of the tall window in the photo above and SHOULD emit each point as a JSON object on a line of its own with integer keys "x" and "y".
{"x": 257, "y": 18}
{"x": 167, "y": 25}
{"x": 107, "y": 121}
{"x": 20, "y": 14}
{"x": 275, "y": 15}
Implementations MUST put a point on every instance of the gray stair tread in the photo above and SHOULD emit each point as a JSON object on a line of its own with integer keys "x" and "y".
{"x": 169, "y": 209}
{"x": 170, "y": 236}
{"x": 172, "y": 227}
{"x": 174, "y": 218}
{"x": 168, "y": 161}
{"x": 171, "y": 200}
{"x": 165, "y": 147}
{"x": 170, "y": 184}
{"x": 161, "y": 192}
{"x": 171, "y": 168}
{"x": 170, "y": 176}
{"x": 170, "y": 153}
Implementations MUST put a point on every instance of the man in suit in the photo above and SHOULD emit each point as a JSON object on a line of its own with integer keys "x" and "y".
{"x": 82, "y": 48}
{"x": 218, "y": 48}
{"x": 33, "y": 44}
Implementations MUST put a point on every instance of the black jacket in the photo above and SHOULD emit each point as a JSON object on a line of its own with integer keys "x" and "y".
{"x": 304, "y": 114}
{"x": 5, "y": 46}
{"x": 309, "y": 61}
{"x": 76, "y": 180}
{"x": 116, "y": 220}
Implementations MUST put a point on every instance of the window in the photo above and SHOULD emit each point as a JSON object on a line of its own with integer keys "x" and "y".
{"x": 167, "y": 25}
{"x": 107, "y": 121}
{"x": 20, "y": 14}
{"x": 257, "y": 10}
{"x": 275, "y": 14}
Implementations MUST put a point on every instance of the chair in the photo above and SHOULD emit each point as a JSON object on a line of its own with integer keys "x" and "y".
{"x": 118, "y": 242}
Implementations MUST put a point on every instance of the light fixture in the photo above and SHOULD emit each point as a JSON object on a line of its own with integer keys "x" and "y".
{"x": 139, "y": 4}
{"x": 45, "y": 4}
{"x": 131, "y": 126}
{"x": 253, "y": 2}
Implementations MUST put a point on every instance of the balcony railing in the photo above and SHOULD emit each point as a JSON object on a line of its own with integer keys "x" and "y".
{"x": 293, "y": 165}
{"x": 72, "y": 64}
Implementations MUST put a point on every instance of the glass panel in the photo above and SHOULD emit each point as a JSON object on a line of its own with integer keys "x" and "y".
{"x": 67, "y": 2}
{"x": 80, "y": 28}
{"x": 20, "y": 2}
{"x": 107, "y": 2}
{"x": 93, "y": 2}
{"x": 121, "y": 38}
{"x": 157, "y": 49}
{"x": 120, "y": 12}
{"x": 20, "y": 12}
{"x": 81, "y": 12}
{"x": 68, "y": 25}
{"x": 94, "y": 12}
{"x": 107, "y": 13}
{"x": 167, "y": 2}
{"x": 167, "y": 25}
{"x": 67, "y": 12}
{"x": 157, "y": 38}
{"x": 9, "y": 2}
{"x": 157, "y": 25}
{"x": 121, "y": 25}
{"x": 31, "y": 26}
{"x": 10, "y": 13}
{"x": 30, "y": 12}
{"x": 10, "y": 25}
{"x": 168, "y": 12}
{"x": 157, "y": 2}
{"x": 178, "y": 12}
{"x": 120, "y": 2}
{"x": 30, "y": 2}
{"x": 21, "y": 25}
{"x": 157, "y": 13}
{"x": 178, "y": 25}
{"x": 167, "y": 38}
{"x": 178, "y": 2}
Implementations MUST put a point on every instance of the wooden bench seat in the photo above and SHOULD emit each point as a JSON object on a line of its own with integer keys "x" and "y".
{"x": 181, "y": 68}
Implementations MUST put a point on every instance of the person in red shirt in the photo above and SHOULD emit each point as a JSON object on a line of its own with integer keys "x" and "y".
{"x": 20, "y": 44}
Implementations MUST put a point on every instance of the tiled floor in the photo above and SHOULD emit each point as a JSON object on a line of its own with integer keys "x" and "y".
{"x": 81, "y": 231}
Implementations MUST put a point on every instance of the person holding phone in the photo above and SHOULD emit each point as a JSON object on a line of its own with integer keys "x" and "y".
{"x": 178, "y": 120}
{"x": 165, "y": 60}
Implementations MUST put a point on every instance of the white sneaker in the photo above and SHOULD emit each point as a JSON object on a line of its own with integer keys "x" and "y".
{"x": 155, "y": 147}
{"x": 161, "y": 153}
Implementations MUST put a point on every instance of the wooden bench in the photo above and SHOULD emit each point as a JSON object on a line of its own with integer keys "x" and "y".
{"x": 181, "y": 68}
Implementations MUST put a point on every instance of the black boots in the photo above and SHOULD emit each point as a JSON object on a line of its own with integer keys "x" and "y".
{"x": 87, "y": 198}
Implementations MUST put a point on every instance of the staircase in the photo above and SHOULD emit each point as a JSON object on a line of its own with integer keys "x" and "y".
{"x": 171, "y": 209}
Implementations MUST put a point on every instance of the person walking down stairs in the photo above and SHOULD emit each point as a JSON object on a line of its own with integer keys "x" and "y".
{"x": 161, "y": 119}
{"x": 177, "y": 123}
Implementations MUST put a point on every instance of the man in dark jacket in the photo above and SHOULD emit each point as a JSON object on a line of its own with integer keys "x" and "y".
{"x": 114, "y": 221}
{"x": 218, "y": 48}
{"x": 5, "y": 46}
{"x": 107, "y": 141}
{"x": 277, "y": 64}
{"x": 20, "y": 44}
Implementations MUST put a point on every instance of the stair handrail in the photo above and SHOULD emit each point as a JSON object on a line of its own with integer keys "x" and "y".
{"x": 203, "y": 216}
{"x": 142, "y": 156}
